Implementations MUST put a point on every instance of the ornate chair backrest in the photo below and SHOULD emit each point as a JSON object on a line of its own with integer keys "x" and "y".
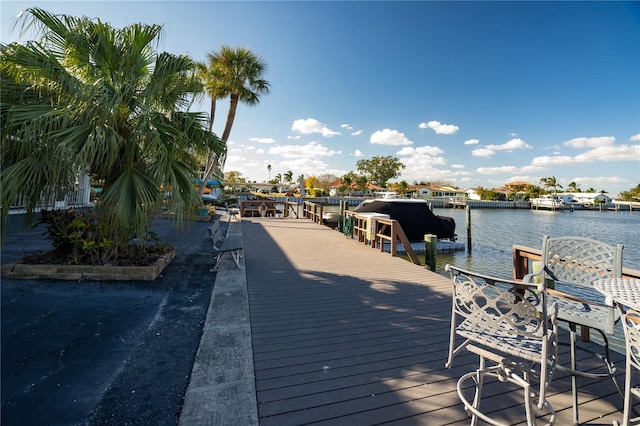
{"x": 580, "y": 261}
{"x": 516, "y": 311}
{"x": 631, "y": 326}
{"x": 514, "y": 307}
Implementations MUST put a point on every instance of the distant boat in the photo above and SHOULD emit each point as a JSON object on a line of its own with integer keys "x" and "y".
{"x": 386, "y": 195}
{"x": 551, "y": 202}
{"x": 414, "y": 216}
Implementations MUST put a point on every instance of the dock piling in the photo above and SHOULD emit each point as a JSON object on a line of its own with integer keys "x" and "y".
{"x": 430, "y": 248}
{"x": 468, "y": 216}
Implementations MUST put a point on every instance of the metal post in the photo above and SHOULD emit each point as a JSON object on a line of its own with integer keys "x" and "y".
{"x": 430, "y": 247}
{"x": 468, "y": 215}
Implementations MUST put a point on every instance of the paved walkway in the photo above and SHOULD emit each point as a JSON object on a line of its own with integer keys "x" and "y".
{"x": 222, "y": 387}
{"x": 103, "y": 353}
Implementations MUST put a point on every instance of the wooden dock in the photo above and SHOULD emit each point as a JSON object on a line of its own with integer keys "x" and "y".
{"x": 344, "y": 334}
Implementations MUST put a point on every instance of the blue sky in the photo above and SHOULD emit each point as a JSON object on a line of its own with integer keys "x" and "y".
{"x": 471, "y": 93}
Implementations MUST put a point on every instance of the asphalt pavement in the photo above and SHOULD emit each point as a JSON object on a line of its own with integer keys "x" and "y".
{"x": 102, "y": 352}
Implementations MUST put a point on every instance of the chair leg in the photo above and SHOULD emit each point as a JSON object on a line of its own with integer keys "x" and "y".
{"x": 626, "y": 412}
{"x": 478, "y": 393}
{"x": 610, "y": 367}
{"x": 574, "y": 378}
{"x": 573, "y": 370}
{"x": 504, "y": 375}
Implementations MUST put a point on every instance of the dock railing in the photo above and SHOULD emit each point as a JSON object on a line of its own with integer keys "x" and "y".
{"x": 383, "y": 230}
{"x": 390, "y": 230}
{"x": 269, "y": 208}
{"x": 291, "y": 209}
{"x": 312, "y": 211}
{"x": 523, "y": 256}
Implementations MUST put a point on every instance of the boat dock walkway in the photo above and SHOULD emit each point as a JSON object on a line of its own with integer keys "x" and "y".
{"x": 318, "y": 329}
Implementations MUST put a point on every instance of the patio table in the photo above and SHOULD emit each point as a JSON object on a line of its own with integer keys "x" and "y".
{"x": 625, "y": 292}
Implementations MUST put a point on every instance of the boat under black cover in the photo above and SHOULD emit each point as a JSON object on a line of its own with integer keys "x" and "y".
{"x": 415, "y": 217}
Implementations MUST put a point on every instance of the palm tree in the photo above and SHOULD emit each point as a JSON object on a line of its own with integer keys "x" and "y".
{"x": 553, "y": 183}
{"x": 288, "y": 177}
{"x": 544, "y": 181}
{"x": 402, "y": 187}
{"x": 89, "y": 97}
{"x": 573, "y": 187}
{"x": 550, "y": 182}
{"x": 346, "y": 182}
{"x": 237, "y": 73}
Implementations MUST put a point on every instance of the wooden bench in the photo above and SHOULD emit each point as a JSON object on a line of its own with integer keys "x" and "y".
{"x": 225, "y": 244}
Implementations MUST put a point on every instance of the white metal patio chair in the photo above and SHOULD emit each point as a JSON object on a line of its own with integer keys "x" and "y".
{"x": 511, "y": 325}
{"x": 631, "y": 326}
{"x": 570, "y": 265}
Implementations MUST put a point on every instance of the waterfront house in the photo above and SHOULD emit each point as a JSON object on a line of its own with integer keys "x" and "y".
{"x": 566, "y": 197}
{"x": 591, "y": 198}
{"x": 428, "y": 191}
{"x": 334, "y": 189}
{"x": 81, "y": 195}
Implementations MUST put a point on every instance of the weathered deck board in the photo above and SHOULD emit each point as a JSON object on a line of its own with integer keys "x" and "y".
{"x": 345, "y": 334}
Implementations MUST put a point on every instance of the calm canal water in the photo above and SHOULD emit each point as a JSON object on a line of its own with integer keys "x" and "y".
{"x": 495, "y": 231}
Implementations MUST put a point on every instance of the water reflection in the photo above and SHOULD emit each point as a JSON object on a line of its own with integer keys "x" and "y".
{"x": 495, "y": 231}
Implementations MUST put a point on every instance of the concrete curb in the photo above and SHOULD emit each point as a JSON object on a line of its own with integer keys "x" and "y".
{"x": 222, "y": 386}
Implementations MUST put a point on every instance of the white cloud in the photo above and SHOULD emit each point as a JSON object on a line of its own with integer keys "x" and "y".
{"x": 444, "y": 129}
{"x": 482, "y": 152}
{"x": 420, "y": 163}
{"x": 510, "y": 145}
{"x": 457, "y": 166}
{"x": 507, "y": 169}
{"x": 610, "y": 153}
{"x": 389, "y": 137}
{"x": 346, "y": 126}
{"x": 426, "y": 172}
{"x": 602, "y": 153}
{"x": 471, "y": 142}
{"x": 635, "y": 137}
{"x": 307, "y": 167}
{"x": 590, "y": 142}
{"x": 262, "y": 140}
{"x": 524, "y": 178}
{"x": 234, "y": 159}
{"x": 600, "y": 182}
{"x": 356, "y": 133}
{"x": 358, "y": 153}
{"x": 310, "y": 150}
{"x": 420, "y": 150}
{"x": 496, "y": 170}
{"x": 311, "y": 125}
{"x": 547, "y": 160}
{"x": 296, "y": 137}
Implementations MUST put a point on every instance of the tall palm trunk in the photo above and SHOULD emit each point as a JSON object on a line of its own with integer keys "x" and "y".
{"x": 231, "y": 115}
{"x": 213, "y": 113}
{"x": 212, "y": 157}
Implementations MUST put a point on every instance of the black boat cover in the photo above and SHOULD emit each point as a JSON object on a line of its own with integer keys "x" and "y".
{"x": 414, "y": 216}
